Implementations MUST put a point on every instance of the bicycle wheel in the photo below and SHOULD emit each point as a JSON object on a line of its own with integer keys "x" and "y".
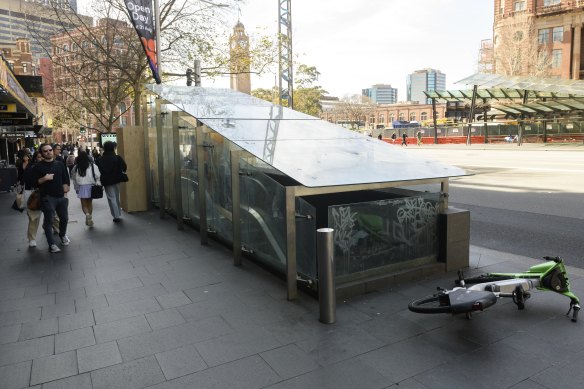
{"x": 430, "y": 304}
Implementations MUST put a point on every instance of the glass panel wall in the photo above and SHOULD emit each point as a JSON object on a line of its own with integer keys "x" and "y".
{"x": 263, "y": 214}
{"x": 306, "y": 239}
{"x": 188, "y": 172}
{"x": 386, "y": 232}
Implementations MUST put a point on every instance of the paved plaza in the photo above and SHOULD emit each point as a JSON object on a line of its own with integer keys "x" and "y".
{"x": 140, "y": 304}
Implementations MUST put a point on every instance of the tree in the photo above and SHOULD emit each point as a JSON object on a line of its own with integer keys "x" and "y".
{"x": 307, "y": 95}
{"x": 354, "y": 110}
{"x": 517, "y": 50}
{"x": 270, "y": 95}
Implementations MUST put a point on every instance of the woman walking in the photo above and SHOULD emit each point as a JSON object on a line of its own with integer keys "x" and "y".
{"x": 85, "y": 174}
{"x": 34, "y": 216}
{"x": 113, "y": 168}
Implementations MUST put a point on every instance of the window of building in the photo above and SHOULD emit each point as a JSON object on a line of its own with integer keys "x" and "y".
{"x": 558, "y": 34}
{"x": 519, "y": 5}
{"x": 502, "y": 6}
{"x": 401, "y": 116}
{"x": 381, "y": 118}
{"x": 518, "y": 36}
{"x": 391, "y": 117}
{"x": 556, "y": 58}
{"x": 547, "y": 3}
{"x": 424, "y": 116}
{"x": 65, "y": 47}
{"x": 84, "y": 44}
{"x": 118, "y": 41}
{"x": 543, "y": 36}
{"x": 412, "y": 117}
{"x": 372, "y": 119}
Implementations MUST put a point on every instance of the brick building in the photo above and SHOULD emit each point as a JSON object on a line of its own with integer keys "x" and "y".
{"x": 550, "y": 29}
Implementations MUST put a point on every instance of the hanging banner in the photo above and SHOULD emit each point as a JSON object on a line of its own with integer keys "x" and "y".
{"x": 141, "y": 14}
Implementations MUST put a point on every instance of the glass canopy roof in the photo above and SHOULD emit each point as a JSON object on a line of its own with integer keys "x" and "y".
{"x": 313, "y": 152}
{"x": 535, "y": 84}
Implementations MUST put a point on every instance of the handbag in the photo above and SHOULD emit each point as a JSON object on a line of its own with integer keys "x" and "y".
{"x": 122, "y": 176}
{"x": 34, "y": 201}
{"x": 18, "y": 204}
{"x": 96, "y": 189}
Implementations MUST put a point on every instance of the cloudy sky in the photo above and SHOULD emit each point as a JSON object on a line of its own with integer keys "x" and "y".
{"x": 355, "y": 44}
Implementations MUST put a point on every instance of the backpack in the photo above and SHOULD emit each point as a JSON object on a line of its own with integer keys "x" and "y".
{"x": 70, "y": 160}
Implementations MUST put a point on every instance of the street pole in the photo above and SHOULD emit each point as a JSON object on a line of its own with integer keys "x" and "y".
{"x": 157, "y": 36}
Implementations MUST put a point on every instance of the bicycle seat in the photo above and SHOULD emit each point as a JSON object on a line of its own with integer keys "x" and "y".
{"x": 464, "y": 300}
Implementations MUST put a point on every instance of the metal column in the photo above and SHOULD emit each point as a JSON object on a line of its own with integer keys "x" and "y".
{"x": 160, "y": 148}
{"x": 326, "y": 275}
{"x": 202, "y": 186}
{"x": 435, "y": 121}
{"x": 148, "y": 172}
{"x": 177, "y": 171}
{"x": 236, "y": 204}
{"x": 471, "y": 114}
{"x": 292, "y": 290}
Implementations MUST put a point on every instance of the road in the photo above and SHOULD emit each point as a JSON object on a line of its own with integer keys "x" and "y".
{"x": 526, "y": 200}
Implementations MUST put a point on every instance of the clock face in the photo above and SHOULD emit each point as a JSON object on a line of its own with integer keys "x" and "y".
{"x": 243, "y": 44}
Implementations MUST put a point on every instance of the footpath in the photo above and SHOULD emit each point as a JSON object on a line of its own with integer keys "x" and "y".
{"x": 139, "y": 304}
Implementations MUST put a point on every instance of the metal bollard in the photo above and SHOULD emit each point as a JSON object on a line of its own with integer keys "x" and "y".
{"x": 326, "y": 275}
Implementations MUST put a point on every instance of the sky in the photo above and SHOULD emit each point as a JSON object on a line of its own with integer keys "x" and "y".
{"x": 357, "y": 43}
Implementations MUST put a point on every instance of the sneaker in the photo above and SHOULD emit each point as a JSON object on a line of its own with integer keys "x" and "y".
{"x": 32, "y": 243}
{"x": 117, "y": 219}
{"x": 88, "y": 220}
{"x": 54, "y": 249}
{"x": 65, "y": 240}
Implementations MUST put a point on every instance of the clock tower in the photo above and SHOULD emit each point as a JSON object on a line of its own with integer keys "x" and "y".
{"x": 239, "y": 60}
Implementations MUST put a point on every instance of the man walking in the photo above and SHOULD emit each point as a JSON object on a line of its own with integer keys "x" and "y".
{"x": 53, "y": 180}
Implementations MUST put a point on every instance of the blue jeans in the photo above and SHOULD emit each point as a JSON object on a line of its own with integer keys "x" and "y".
{"x": 112, "y": 193}
{"x": 50, "y": 205}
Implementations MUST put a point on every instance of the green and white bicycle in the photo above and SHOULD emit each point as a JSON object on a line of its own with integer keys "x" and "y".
{"x": 478, "y": 293}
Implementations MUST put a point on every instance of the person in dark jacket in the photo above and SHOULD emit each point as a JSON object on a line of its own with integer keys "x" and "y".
{"x": 34, "y": 216}
{"x": 112, "y": 167}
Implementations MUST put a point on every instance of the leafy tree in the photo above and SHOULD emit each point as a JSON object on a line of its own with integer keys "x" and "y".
{"x": 307, "y": 94}
{"x": 270, "y": 95}
{"x": 354, "y": 110}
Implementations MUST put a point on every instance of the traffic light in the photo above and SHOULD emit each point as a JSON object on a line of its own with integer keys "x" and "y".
{"x": 189, "y": 77}
{"x": 82, "y": 130}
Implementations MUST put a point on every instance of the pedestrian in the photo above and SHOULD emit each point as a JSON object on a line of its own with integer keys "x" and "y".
{"x": 380, "y": 137}
{"x": 85, "y": 174}
{"x": 404, "y": 139}
{"x": 34, "y": 215}
{"x": 53, "y": 181}
{"x": 393, "y": 137}
{"x": 70, "y": 162}
{"x": 95, "y": 154}
{"x": 419, "y": 137}
{"x": 57, "y": 153}
{"x": 113, "y": 169}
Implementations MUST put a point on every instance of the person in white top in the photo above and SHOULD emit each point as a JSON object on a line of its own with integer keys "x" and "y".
{"x": 84, "y": 175}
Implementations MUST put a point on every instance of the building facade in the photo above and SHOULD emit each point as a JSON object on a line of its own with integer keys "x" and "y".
{"x": 19, "y": 57}
{"x": 550, "y": 28}
{"x": 34, "y": 20}
{"x": 240, "y": 77}
{"x": 424, "y": 80}
{"x": 381, "y": 94}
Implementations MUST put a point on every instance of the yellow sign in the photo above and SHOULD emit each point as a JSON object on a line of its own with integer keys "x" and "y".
{"x": 7, "y": 107}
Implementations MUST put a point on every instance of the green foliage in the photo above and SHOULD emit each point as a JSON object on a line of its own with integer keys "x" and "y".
{"x": 306, "y": 94}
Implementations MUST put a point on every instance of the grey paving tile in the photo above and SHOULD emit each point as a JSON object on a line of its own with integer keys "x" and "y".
{"x": 528, "y": 384}
{"x": 98, "y": 356}
{"x": 110, "y": 274}
{"x": 53, "y": 367}
{"x": 151, "y": 279}
{"x": 22, "y": 316}
{"x": 123, "y": 311}
{"x": 9, "y": 334}
{"x": 172, "y": 337}
{"x": 134, "y": 294}
{"x": 180, "y": 362}
{"x": 13, "y": 293}
{"x": 112, "y": 287}
{"x": 61, "y": 309}
{"x": 59, "y": 286}
{"x": 15, "y": 376}
{"x": 73, "y": 294}
{"x": 89, "y": 303}
{"x": 237, "y": 345}
{"x": 82, "y": 381}
{"x": 26, "y": 350}
{"x": 67, "y": 341}
{"x": 348, "y": 374}
{"x": 340, "y": 344}
{"x": 289, "y": 361}
{"x": 83, "y": 282}
{"x": 121, "y": 328}
{"x": 26, "y": 303}
{"x": 248, "y": 373}
{"x": 36, "y": 290}
{"x": 166, "y": 318}
{"x": 131, "y": 375}
{"x": 569, "y": 375}
{"x": 38, "y": 329}
{"x": 173, "y": 300}
{"x": 76, "y": 321}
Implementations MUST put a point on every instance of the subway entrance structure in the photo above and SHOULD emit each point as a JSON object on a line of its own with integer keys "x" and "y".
{"x": 262, "y": 179}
